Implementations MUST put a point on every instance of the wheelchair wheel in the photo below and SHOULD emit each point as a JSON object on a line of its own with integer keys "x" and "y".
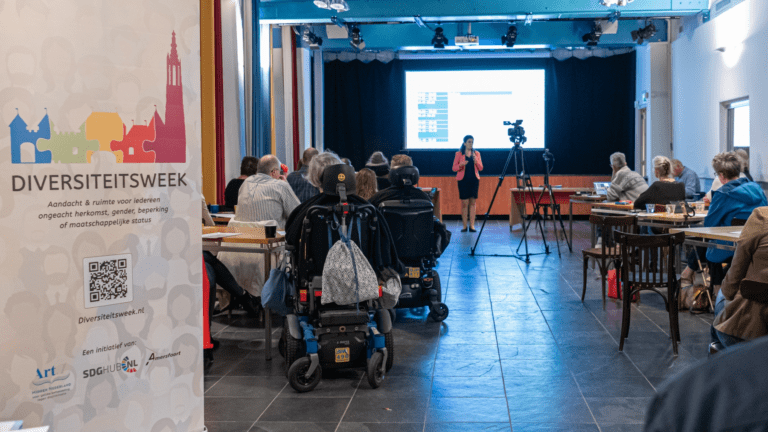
{"x": 297, "y": 376}
{"x": 281, "y": 344}
{"x": 389, "y": 342}
{"x": 392, "y": 314}
{"x": 293, "y": 349}
{"x": 439, "y": 313}
{"x": 438, "y": 287}
{"x": 375, "y": 369}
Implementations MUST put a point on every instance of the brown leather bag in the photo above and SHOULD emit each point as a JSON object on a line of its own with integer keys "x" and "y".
{"x": 694, "y": 298}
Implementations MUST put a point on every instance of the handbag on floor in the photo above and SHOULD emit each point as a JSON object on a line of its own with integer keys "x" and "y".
{"x": 277, "y": 287}
{"x": 695, "y": 298}
{"x": 614, "y": 285}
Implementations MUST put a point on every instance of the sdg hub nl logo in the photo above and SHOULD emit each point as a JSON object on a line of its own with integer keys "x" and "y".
{"x": 127, "y": 365}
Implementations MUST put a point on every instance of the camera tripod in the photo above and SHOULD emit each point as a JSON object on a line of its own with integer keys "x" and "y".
{"x": 523, "y": 183}
{"x": 556, "y": 215}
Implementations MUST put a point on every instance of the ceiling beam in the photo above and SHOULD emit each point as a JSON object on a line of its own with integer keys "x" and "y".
{"x": 432, "y": 11}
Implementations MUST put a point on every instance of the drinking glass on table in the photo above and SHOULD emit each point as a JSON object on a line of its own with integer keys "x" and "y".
{"x": 650, "y": 208}
{"x": 670, "y": 208}
{"x": 699, "y": 207}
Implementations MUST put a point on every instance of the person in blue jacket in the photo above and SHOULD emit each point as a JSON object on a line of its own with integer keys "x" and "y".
{"x": 735, "y": 199}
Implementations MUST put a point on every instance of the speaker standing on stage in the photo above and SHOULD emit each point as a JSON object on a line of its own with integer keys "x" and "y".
{"x": 468, "y": 160}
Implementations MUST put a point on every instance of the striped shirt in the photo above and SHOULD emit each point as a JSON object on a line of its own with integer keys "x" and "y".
{"x": 301, "y": 186}
{"x": 263, "y": 198}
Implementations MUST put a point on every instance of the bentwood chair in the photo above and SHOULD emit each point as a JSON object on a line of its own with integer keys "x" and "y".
{"x": 648, "y": 264}
{"x": 608, "y": 252}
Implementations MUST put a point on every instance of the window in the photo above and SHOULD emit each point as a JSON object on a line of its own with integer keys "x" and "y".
{"x": 738, "y": 124}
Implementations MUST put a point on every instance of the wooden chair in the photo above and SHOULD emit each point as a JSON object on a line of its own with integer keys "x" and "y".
{"x": 648, "y": 264}
{"x": 607, "y": 252}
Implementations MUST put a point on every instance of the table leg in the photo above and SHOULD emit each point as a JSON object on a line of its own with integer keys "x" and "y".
{"x": 267, "y": 312}
{"x": 570, "y": 221}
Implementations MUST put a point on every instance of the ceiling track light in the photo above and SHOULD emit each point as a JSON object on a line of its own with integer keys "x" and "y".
{"x": 510, "y": 38}
{"x": 339, "y": 5}
{"x": 609, "y": 3}
{"x": 323, "y": 4}
{"x": 593, "y": 37}
{"x": 357, "y": 41}
{"x": 644, "y": 33}
{"x": 439, "y": 40}
{"x": 312, "y": 39}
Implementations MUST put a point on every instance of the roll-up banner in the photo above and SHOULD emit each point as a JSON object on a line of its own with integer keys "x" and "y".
{"x": 100, "y": 179}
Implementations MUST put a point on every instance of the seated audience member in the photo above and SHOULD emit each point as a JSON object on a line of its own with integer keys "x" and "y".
{"x": 736, "y": 198}
{"x": 265, "y": 196}
{"x": 724, "y": 393}
{"x": 219, "y": 274}
{"x": 247, "y": 168}
{"x": 744, "y": 159}
{"x": 686, "y": 176}
{"x": 737, "y": 318}
{"x": 716, "y": 184}
{"x": 298, "y": 179}
{"x": 396, "y": 193}
{"x": 626, "y": 185}
{"x": 382, "y": 249}
{"x": 663, "y": 191}
{"x": 347, "y": 161}
{"x": 366, "y": 183}
{"x": 380, "y": 166}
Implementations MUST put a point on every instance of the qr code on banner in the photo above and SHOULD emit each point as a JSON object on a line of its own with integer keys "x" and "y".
{"x": 107, "y": 280}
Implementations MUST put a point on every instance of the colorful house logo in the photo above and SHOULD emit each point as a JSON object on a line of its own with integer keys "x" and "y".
{"x": 156, "y": 142}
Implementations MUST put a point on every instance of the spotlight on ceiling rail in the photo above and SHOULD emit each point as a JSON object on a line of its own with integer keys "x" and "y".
{"x": 323, "y": 4}
{"x": 609, "y": 3}
{"x": 642, "y": 34}
{"x": 510, "y": 38}
{"x": 439, "y": 40}
{"x": 314, "y": 41}
{"x": 357, "y": 41}
{"x": 339, "y": 5}
{"x": 593, "y": 37}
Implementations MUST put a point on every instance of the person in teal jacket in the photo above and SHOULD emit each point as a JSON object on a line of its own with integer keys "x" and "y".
{"x": 735, "y": 199}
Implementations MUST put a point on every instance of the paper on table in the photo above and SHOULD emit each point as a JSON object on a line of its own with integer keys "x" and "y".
{"x": 11, "y": 425}
{"x": 282, "y": 233}
{"x": 224, "y": 215}
{"x": 218, "y": 235}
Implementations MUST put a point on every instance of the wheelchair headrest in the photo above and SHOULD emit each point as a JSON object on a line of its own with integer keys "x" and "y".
{"x": 404, "y": 176}
{"x": 338, "y": 177}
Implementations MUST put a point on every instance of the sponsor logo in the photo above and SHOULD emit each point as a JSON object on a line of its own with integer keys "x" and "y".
{"x": 153, "y": 357}
{"x": 52, "y": 382}
{"x": 127, "y": 365}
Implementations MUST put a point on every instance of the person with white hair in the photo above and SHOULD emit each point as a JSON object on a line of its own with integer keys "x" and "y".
{"x": 626, "y": 185}
{"x": 664, "y": 191}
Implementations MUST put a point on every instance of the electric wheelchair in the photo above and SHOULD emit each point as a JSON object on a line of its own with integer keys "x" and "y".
{"x": 410, "y": 218}
{"x": 318, "y": 336}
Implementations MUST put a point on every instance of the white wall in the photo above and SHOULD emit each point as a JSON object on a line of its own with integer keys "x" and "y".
{"x": 703, "y": 78}
{"x": 653, "y": 77}
{"x": 234, "y": 92}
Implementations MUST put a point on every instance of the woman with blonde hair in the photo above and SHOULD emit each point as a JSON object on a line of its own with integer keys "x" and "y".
{"x": 366, "y": 183}
{"x": 665, "y": 190}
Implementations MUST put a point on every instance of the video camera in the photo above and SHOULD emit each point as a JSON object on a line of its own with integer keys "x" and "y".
{"x": 516, "y": 132}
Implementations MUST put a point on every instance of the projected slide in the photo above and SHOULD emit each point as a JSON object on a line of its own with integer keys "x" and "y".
{"x": 444, "y": 106}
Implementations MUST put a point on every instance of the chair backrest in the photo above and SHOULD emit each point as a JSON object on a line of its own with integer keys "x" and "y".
{"x": 404, "y": 176}
{"x": 610, "y": 224}
{"x": 319, "y": 233}
{"x": 339, "y": 180}
{"x": 738, "y": 222}
{"x": 754, "y": 290}
{"x": 648, "y": 261}
{"x": 411, "y": 224}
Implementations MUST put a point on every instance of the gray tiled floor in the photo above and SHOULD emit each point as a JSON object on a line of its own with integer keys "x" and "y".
{"x": 519, "y": 351}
